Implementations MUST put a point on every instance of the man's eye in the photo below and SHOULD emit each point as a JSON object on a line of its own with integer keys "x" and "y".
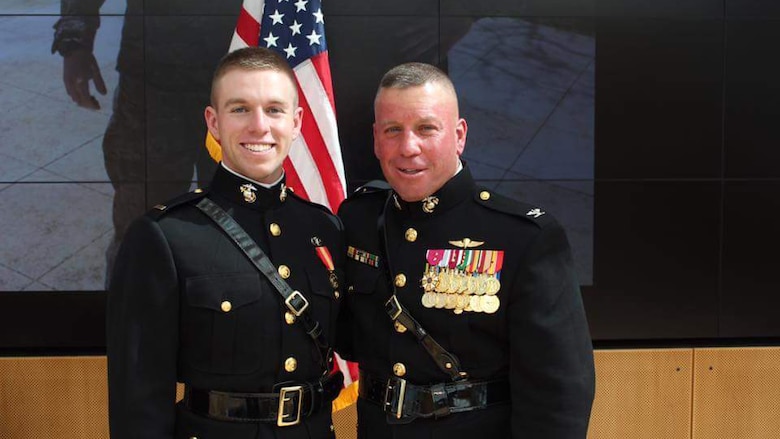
{"x": 275, "y": 110}
{"x": 392, "y": 130}
{"x": 238, "y": 110}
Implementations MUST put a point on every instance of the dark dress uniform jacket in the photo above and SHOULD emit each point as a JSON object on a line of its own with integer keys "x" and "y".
{"x": 538, "y": 338}
{"x": 185, "y": 304}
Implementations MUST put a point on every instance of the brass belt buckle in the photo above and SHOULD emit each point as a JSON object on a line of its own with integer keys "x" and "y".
{"x": 395, "y": 391}
{"x": 287, "y": 394}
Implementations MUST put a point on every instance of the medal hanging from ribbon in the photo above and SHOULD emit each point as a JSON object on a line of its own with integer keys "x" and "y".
{"x": 462, "y": 279}
{"x": 327, "y": 260}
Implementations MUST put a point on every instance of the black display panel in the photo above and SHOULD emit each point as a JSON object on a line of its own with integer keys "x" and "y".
{"x": 646, "y": 128}
{"x": 749, "y": 300}
{"x": 751, "y": 97}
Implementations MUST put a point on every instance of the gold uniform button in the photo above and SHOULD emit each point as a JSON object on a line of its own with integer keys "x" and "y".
{"x": 484, "y": 195}
{"x": 290, "y": 364}
{"x": 226, "y": 306}
{"x": 284, "y": 271}
{"x": 275, "y": 229}
{"x": 198, "y": 191}
{"x": 332, "y": 428}
{"x": 399, "y": 369}
{"x": 411, "y": 234}
{"x": 336, "y": 294}
{"x": 399, "y": 328}
{"x": 400, "y": 280}
{"x": 289, "y": 318}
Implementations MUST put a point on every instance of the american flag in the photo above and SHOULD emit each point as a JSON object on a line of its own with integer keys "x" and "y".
{"x": 314, "y": 168}
{"x": 296, "y": 30}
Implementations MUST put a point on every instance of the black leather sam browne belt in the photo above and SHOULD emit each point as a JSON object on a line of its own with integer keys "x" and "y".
{"x": 285, "y": 408}
{"x": 405, "y": 402}
{"x": 293, "y": 401}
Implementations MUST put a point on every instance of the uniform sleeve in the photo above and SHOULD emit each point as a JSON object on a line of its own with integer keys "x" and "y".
{"x": 345, "y": 323}
{"x": 551, "y": 366}
{"x": 142, "y": 336}
{"x": 76, "y": 28}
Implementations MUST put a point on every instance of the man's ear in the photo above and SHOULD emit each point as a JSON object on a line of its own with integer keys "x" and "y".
{"x": 298, "y": 122}
{"x": 461, "y": 128}
{"x": 210, "y": 115}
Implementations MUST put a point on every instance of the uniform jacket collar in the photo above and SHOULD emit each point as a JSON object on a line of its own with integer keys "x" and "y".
{"x": 243, "y": 192}
{"x": 457, "y": 189}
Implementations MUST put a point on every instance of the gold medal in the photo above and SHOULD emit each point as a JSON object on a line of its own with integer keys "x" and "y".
{"x": 452, "y": 283}
{"x": 452, "y": 300}
{"x": 473, "y": 284}
{"x": 493, "y": 285}
{"x": 441, "y": 300}
{"x": 489, "y": 304}
{"x": 475, "y": 304}
{"x": 462, "y": 301}
{"x": 429, "y": 280}
{"x": 463, "y": 283}
{"x": 444, "y": 281}
{"x": 429, "y": 300}
{"x": 482, "y": 288}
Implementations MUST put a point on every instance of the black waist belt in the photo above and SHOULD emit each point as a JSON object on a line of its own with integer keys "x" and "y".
{"x": 285, "y": 407}
{"x": 404, "y": 402}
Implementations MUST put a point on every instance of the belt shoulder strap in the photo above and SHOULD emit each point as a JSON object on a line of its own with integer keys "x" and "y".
{"x": 293, "y": 300}
{"x": 445, "y": 361}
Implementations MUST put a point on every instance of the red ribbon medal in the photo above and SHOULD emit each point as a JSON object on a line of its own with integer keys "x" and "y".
{"x": 327, "y": 260}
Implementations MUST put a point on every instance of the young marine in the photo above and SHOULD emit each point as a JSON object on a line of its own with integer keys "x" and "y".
{"x": 231, "y": 290}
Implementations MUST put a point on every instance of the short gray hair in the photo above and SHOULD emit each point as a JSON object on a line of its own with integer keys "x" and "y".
{"x": 415, "y": 74}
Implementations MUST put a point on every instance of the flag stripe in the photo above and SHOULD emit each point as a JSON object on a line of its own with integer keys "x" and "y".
{"x": 310, "y": 180}
{"x": 248, "y": 28}
{"x": 321, "y": 64}
{"x": 293, "y": 180}
{"x": 321, "y": 106}
{"x": 255, "y": 9}
{"x": 321, "y": 154}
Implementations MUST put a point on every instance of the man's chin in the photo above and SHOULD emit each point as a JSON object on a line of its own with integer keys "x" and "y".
{"x": 410, "y": 196}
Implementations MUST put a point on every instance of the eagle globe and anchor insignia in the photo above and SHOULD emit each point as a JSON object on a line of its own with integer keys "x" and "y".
{"x": 248, "y": 191}
{"x": 463, "y": 278}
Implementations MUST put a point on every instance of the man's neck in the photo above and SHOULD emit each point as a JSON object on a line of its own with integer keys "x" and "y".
{"x": 265, "y": 185}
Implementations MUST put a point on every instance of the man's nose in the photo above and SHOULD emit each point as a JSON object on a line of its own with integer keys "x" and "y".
{"x": 410, "y": 144}
{"x": 259, "y": 122}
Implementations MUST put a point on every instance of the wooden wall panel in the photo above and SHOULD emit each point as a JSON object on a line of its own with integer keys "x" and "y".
{"x": 719, "y": 393}
{"x": 642, "y": 394}
{"x": 53, "y": 397}
{"x": 736, "y": 393}
{"x": 345, "y": 421}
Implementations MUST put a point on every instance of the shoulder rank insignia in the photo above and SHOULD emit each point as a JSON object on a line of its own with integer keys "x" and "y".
{"x": 160, "y": 210}
{"x": 363, "y": 256}
{"x": 462, "y": 279}
{"x": 536, "y": 212}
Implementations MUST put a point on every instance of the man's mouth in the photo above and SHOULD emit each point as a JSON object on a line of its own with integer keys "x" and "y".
{"x": 410, "y": 171}
{"x": 257, "y": 147}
